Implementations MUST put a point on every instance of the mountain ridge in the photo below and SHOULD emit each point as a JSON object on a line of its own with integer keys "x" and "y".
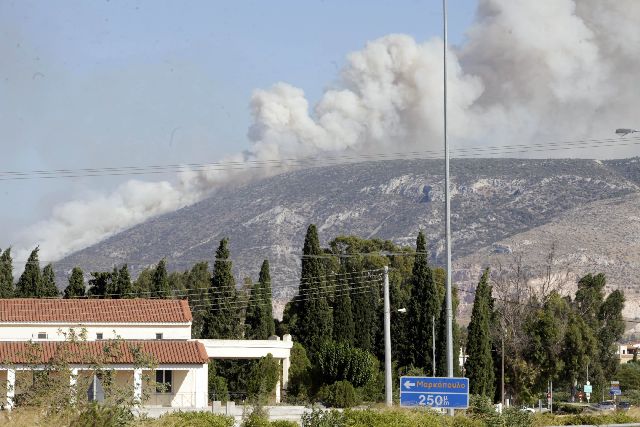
{"x": 492, "y": 200}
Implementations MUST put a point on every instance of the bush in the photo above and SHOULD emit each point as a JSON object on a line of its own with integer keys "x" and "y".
{"x": 283, "y": 423}
{"x": 195, "y": 419}
{"x": 373, "y": 391}
{"x": 299, "y": 375}
{"x": 264, "y": 377}
{"x": 340, "y": 394}
{"x": 340, "y": 361}
{"x": 581, "y": 419}
{"x": 320, "y": 418}
{"x": 514, "y": 417}
{"x": 102, "y": 416}
{"x": 568, "y": 408}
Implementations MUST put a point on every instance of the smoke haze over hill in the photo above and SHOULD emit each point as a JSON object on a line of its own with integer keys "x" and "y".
{"x": 528, "y": 72}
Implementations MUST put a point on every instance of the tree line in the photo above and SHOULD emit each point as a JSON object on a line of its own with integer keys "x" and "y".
{"x": 336, "y": 318}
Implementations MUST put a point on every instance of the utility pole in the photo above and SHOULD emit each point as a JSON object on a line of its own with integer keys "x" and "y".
{"x": 447, "y": 203}
{"x": 433, "y": 344}
{"x": 388, "y": 391}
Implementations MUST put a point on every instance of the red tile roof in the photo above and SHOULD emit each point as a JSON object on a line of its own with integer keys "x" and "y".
{"x": 103, "y": 352}
{"x": 136, "y": 310}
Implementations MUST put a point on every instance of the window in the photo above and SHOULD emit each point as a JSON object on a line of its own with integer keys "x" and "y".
{"x": 99, "y": 335}
{"x": 42, "y": 335}
{"x": 159, "y": 336}
{"x": 163, "y": 381}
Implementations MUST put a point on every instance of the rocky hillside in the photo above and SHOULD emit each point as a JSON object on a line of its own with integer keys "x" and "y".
{"x": 497, "y": 205}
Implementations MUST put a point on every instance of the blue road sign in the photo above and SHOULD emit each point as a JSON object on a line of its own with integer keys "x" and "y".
{"x": 435, "y": 392}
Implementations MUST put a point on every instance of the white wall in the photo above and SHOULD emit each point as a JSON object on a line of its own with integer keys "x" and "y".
{"x": 189, "y": 389}
{"x": 55, "y": 331}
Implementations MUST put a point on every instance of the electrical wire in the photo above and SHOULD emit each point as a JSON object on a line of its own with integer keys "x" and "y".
{"x": 324, "y": 159}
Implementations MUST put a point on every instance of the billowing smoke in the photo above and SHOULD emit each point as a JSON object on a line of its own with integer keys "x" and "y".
{"x": 528, "y": 71}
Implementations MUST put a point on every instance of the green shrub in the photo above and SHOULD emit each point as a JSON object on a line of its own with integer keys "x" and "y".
{"x": 514, "y": 417}
{"x": 102, "y": 416}
{"x": 340, "y": 394}
{"x": 614, "y": 418}
{"x": 255, "y": 419}
{"x": 283, "y": 423}
{"x": 373, "y": 391}
{"x": 568, "y": 408}
{"x": 264, "y": 377}
{"x": 196, "y": 419}
{"x": 340, "y": 361}
{"x": 480, "y": 405}
{"x": 320, "y": 418}
{"x": 299, "y": 375}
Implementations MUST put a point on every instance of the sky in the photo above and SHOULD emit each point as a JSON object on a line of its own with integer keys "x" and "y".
{"x": 99, "y": 84}
{"x": 119, "y": 83}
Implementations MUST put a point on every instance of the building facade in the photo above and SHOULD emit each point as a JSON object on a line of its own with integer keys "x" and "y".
{"x": 143, "y": 346}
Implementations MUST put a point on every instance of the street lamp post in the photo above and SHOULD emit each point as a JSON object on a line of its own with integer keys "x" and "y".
{"x": 449, "y": 307}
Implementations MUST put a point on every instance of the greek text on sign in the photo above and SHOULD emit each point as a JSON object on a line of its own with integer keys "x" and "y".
{"x": 435, "y": 392}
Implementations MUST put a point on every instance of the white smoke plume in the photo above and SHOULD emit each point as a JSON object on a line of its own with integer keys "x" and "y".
{"x": 528, "y": 71}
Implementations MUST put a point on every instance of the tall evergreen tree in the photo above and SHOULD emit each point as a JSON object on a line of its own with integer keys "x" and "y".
{"x": 160, "y": 283}
{"x": 423, "y": 310}
{"x": 259, "y": 320}
{"x": 479, "y": 366}
{"x": 123, "y": 284}
{"x": 30, "y": 282}
{"x": 99, "y": 283}
{"x": 111, "y": 290}
{"x": 142, "y": 286}
{"x": 267, "y": 294}
{"x": 198, "y": 283}
{"x": 343, "y": 326}
{"x": 6, "y": 274}
{"x": 49, "y": 288}
{"x": 223, "y": 321}
{"x": 611, "y": 330}
{"x": 314, "y": 318}
{"x": 75, "y": 288}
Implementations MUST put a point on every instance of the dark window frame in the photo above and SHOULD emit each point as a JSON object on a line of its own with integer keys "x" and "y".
{"x": 164, "y": 381}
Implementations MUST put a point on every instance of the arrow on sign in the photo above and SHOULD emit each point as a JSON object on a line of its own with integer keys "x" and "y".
{"x": 409, "y": 384}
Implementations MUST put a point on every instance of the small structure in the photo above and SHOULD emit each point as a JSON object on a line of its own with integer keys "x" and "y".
{"x": 255, "y": 349}
{"x": 626, "y": 352}
{"x": 35, "y": 332}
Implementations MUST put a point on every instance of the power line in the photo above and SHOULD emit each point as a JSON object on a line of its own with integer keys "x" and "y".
{"x": 233, "y": 302}
{"x": 135, "y": 262}
{"x": 317, "y": 160}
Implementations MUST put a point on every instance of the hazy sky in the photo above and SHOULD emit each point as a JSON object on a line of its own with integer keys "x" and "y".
{"x": 112, "y": 83}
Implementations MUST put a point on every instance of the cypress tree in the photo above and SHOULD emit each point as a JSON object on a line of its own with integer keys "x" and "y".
{"x": 223, "y": 321}
{"x": 6, "y": 274}
{"x": 267, "y": 294}
{"x": 424, "y": 306}
{"x": 259, "y": 319}
{"x": 49, "y": 288}
{"x": 99, "y": 283}
{"x": 479, "y": 366}
{"x": 123, "y": 283}
{"x": 160, "y": 282}
{"x": 364, "y": 304}
{"x": 314, "y": 321}
{"x": 343, "y": 326}
{"x": 30, "y": 281}
{"x": 75, "y": 288}
{"x": 198, "y": 283}
{"x": 112, "y": 285}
